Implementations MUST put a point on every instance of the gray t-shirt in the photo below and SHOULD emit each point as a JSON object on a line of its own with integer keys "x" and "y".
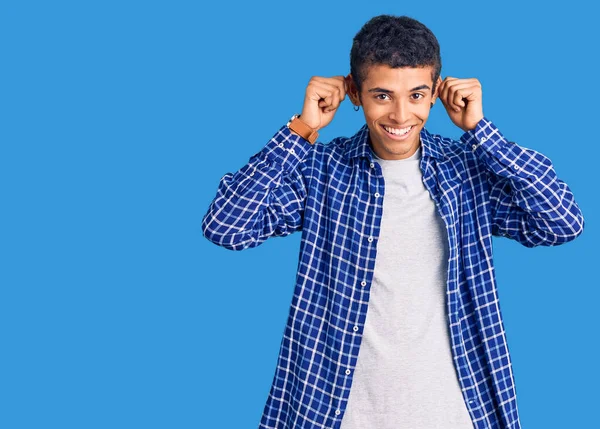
{"x": 405, "y": 375}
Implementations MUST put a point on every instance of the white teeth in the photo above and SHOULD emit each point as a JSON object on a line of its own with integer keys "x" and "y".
{"x": 396, "y": 131}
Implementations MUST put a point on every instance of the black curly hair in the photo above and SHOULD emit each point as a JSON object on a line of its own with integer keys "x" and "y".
{"x": 396, "y": 41}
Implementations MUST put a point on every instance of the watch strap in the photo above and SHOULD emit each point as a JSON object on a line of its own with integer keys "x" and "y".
{"x": 298, "y": 126}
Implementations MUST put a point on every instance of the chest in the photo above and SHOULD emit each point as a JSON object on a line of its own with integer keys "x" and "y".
{"x": 348, "y": 203}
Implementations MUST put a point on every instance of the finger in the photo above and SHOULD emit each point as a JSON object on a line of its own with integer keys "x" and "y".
{"x": 439, "y": 90}
{"x": 448, "y": 79}
{"x": 474, "y": 89}
{"x": 457, "y": 99}
{"x": 321, "y": 83}
{"x": 334, "y": 85}
{"x": 339, "y": 91}
{"x": 330, "y": 102}
{"x": 346, "y": 84}
{"x": 465, "y": 92}
{"x": 442, "y": 97}
{"x": 446, "y": 89}
{"x": 319, "y": 90}
{"x": 335, "y": 102}
{"x": 338, "y": 82}
{"x": 474, "y": 93}
{"x": 337, "y": 95}
{"x": 454, "y": 93}
{"x": 448, "y": 83}
{"x": 335, "y": 80}
{"x": 444, "y": 93}
{"x": 461, "y": 83}
{"x": 440, "y": 87}
{"x": 343, "y": 91}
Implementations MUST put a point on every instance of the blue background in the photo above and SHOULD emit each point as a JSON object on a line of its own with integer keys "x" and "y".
{"x": 119, "y": 118}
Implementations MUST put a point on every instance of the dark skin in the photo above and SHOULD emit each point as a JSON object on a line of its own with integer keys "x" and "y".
{"x": 396, "y": 99}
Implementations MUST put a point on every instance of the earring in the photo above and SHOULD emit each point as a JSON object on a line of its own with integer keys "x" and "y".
{"x": 356, "y": 108}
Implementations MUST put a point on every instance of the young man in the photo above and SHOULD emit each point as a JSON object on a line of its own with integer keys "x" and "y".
{"x": 400, "y": 221}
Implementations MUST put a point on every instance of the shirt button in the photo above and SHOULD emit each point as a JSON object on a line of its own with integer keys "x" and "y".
{"x": 377, "y": 194}
{"x": 372, "y": 165}
{"x": 292, "y": 151}
{"x": 348, "y": 372}
{"x": 363, "y": 283}
{"x": 355, "y": 328}
{"x": 252, "y": 173}
{"x": 474, "y": 146}
{"x": 483, "y": 139}
{"x": 370, "y": 239}
{"x": 280, "y": 144}
{"x": 338, "y": 412}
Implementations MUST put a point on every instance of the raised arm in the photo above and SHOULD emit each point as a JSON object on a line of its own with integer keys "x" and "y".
{"x": 529, "y": 203}
{"x": 264, "y": 198}
{"x": 267, "y": 196}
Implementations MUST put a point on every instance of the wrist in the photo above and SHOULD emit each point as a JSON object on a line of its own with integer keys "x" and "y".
{"x": 302, "y": 129}
{"x": 310, "y": 117}
{"x": 472, "y": 125}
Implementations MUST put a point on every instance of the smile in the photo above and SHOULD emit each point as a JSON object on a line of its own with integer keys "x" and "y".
{"x": 398, "y": 133}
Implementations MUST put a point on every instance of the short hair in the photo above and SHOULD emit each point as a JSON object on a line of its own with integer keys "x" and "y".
{"x": 396, "y": 41}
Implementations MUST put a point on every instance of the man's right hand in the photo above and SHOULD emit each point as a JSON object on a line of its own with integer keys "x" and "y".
{"x": 323, "y": 97}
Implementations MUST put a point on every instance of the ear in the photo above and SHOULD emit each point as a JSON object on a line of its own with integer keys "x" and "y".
{"x": 436, "y": 93}
{"x": 351, "y": 90}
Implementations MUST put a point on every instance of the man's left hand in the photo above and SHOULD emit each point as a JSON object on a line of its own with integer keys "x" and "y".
{"x": 462, "y": 100}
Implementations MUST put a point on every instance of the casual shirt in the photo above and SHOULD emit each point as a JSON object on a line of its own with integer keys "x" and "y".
{"x": 405, "y": 375}
{"x": 483, "y": 185}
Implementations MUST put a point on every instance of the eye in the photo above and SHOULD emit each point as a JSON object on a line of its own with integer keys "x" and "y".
{"x": 417, "y": 96}
{"x": 378, "y": 96}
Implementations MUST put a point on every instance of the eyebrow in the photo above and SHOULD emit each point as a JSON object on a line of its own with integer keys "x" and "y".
{"x": 388, "y": 91}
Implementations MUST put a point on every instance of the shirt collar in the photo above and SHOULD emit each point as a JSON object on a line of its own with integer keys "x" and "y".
{"x": 359, "y": 145}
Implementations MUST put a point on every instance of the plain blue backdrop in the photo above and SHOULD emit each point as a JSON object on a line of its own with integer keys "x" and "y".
{"x": 118, "y": 120}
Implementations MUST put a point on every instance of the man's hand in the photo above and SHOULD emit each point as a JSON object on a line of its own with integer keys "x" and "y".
{"x": 323, "y": 97}
{"x": 462, "y": 100}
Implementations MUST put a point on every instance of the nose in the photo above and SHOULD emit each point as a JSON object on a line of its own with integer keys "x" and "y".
{"x": 400, "y": 112}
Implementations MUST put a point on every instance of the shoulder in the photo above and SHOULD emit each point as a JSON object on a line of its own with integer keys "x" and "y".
{"x": 340, "y": 151}
{"x": 334, "y": 148}
{"x": 453, "y": 154}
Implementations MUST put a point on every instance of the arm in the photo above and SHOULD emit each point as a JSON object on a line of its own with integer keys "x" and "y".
{"x": 266, "y": 197}
{"x": 529, "y": 203}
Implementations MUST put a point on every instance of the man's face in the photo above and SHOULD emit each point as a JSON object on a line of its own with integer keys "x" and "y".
{"x": 396, "y": 104}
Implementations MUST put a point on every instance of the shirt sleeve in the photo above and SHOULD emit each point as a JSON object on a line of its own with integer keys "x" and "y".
{"x": 529, "y": 203}
{"x": 266, "y": 197}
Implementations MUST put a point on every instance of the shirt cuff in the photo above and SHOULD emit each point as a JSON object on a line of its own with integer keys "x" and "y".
{"x": 279, "y": 158}
{"x": 287, "y": 148}
{"x": 485, "y": 136}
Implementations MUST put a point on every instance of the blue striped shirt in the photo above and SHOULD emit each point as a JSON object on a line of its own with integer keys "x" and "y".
{"x": 482, "y": 185}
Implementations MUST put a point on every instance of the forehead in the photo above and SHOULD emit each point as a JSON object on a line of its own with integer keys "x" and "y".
{"x": 399, "y": 78}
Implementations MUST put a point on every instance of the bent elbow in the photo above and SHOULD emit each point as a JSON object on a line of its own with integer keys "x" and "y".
{"x": 572, "y": 228}
{"x": 570, "y": 222}
{"x": 224, "y": 235}
{"x": 559, "y": 234}
{"x": 575, "y": 229}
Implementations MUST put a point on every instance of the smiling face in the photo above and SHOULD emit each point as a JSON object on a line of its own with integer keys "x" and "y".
{"x": 396, "y": 104}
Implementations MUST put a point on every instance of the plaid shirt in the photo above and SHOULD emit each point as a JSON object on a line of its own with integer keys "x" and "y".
{"x": 482, "y": 185}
